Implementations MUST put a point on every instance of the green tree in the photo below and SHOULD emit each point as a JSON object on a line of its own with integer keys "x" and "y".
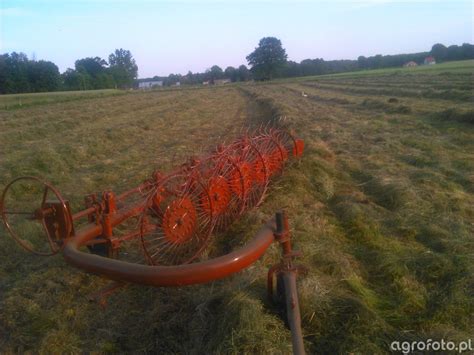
{"x": 214, "y": 73}
{"x": 231, "y": 73}
{"x": 71, "y": 80}
{"x": 17, "y": 73}
{"x": 267, "y": 59}
{"x": 43, "y": 76}
{"x": 439, "y": 52}
{"x": 454, "y": 52}
{"x": 172, "y": 79}
{"x": 244, "y": 73}
{"x": 92, "y": 66}
{"x": 188, "y": 79}
{"x": 91, "y": 73}
{"x": 362, "y": 62}
{"x": 123, "y": 68}
{"x": 467, "y": 51}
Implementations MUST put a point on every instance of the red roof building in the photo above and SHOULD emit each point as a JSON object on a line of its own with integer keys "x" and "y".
{"x": 429, "y": 60}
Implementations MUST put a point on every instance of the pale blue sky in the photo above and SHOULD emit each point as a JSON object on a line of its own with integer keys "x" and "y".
{"x": 176, "y": 36}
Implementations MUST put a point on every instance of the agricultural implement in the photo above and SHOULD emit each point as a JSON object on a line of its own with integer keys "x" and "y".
{"x": 154, "y": 233}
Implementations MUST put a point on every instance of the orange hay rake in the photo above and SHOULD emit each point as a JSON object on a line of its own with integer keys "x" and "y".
{"x": 169, "y": 219}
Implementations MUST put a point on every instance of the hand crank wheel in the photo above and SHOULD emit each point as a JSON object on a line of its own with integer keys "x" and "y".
{"x": 35, "y": 215}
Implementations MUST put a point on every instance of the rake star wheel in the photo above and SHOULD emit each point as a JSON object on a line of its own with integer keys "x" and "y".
{"x": 273, "y": 152}
{"x": 179, "y": 221}
{"x": 175, "y": 225}
{"x": 292, "y": 145}
{"x": 240, "y": 179}
{"x": 36, "y": 215}
{"x": 233, "y": 183}
{"x": 221, "y": 178}
{"x": 220, "y": 193}
{"x": 255, "y": 171}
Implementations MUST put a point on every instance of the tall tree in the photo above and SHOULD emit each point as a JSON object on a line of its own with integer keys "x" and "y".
{"x": 5, "y": 81}
{"x": 244, "y": 73}
{"x": 467, "y": 51}
{"x": 92, "y": 71}
{"x": 43, "y": 76}
{"x": 71, "y": 80}
{"x": 454, "y": 53}
{"x": 18, "y": 73}
{"x": 439, "y": 52}
{"x": 172, "y": 79}
{"x": 231, "y": 73}
{"x": 92, "y": 66}
{"x": 214, "y": 73}
{"x": 267, "y": 59}
{"x": 123, "y": 67}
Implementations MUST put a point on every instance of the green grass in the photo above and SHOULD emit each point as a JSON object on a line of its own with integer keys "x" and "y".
{"x": 381, "y": 204}
{"x": 15, "y": 101}
{"x": 447, "y": 68}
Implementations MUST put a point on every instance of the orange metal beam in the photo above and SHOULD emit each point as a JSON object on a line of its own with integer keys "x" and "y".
{"x": 179, "y": 275}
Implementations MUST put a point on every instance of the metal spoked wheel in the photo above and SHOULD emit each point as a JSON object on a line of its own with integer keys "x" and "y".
{"x": 293, "y": 146}
{"x": 227, "y": 189}
{"x": 254, "y": 169}
{"x": 273, "y": 152}
{"x": 176, "y": 226}
{"x": 35, "y": 215}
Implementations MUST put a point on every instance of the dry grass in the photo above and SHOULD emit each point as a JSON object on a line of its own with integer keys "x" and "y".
{"x": 381, "y": 204}
{"x": 17, "y": 101}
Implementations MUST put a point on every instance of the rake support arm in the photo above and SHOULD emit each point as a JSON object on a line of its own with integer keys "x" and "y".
{"x": 178, "y": 275}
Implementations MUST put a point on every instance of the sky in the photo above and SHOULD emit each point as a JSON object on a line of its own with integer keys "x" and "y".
{"x": 177, "y": 36}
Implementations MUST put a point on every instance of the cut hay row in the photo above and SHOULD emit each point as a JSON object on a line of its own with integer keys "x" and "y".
{"x": 449, "y": 95}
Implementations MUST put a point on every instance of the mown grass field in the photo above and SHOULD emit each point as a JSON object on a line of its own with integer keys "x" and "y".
{"x": 381, "y": 204}
{"x": 14, "y": 101}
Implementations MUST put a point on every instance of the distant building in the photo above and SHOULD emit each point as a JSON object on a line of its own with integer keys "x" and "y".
{"x": 410, "y": 64}
{"x": 221, "y": 81}
{"x": 216, "y": 82}
{"x": 429, "y": 61}
{"x": 149, "y": 84}
{"x": 177, "y": 83}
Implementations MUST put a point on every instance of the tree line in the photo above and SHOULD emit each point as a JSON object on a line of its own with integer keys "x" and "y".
{"x": 242, "y": 73}
{"x": 274, "y": 62}
{"x": 269, "y": 60}
{"x": 18, "y": 74}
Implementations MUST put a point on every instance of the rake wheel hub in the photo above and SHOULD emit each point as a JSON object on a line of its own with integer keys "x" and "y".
{"x": 220, "y": 194}
{"x": 179, "y": 220}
